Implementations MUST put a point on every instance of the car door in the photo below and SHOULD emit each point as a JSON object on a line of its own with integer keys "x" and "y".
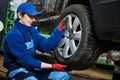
{"x": 106, "y": 16}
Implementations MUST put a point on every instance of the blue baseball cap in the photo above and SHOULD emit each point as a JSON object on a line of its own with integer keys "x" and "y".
{"x": 28, "y": 8}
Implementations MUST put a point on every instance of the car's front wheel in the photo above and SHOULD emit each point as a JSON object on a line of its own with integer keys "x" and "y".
{"x": 77, "y": 47}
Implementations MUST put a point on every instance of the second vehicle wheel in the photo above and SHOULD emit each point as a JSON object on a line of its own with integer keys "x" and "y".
{"x": 77, "y": 47}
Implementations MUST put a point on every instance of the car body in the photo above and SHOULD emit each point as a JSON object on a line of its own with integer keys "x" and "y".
{"x": 104, "y": 15}
{"x": 99, "y": 30}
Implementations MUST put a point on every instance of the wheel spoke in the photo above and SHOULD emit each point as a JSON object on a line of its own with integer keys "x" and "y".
{"x": 76, "y": 23}
{"x": 72, "y": 46}
{"x": 77, "y": 35}
{"x": 69, "y": 22}
{"x": 62, "y": 42}
{"x": 66, "y": 33}
{"x": 65, "y": 50}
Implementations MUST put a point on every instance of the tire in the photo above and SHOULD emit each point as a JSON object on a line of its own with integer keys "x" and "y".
{"x": 77, "y": 47}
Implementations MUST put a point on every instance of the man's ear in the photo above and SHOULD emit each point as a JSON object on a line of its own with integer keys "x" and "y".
{"x": 19, "y": 15}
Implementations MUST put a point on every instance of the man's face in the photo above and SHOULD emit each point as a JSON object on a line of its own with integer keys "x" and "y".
{"x": 26, "y": 19}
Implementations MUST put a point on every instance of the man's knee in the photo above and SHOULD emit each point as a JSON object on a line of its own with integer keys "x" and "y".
{"x": 59, "y": 75}
{"x": 64, "y": 76}
{"x": 22, "y": 76}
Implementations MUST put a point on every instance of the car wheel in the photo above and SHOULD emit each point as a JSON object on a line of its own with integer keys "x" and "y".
{"x": 77, "y": 47}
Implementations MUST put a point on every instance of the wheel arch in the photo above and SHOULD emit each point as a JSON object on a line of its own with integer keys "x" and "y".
{"x": 83, "y": 2}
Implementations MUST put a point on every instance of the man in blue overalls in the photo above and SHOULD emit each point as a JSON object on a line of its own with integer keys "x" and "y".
{"x": 20, "y": 44}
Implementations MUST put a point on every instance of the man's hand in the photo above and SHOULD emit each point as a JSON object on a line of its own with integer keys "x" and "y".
{"x": 63, "y": 24}
{"x": 59, "y": 67}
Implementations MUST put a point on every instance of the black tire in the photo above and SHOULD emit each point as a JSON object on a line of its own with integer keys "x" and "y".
{"x": 83, "y": 46}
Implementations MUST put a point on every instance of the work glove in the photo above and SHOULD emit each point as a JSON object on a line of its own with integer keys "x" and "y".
{"x": 59, "y": 67}
{"x": 63, "y": 24}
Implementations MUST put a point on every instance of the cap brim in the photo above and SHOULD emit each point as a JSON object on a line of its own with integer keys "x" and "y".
{"x": 34, "y": 13}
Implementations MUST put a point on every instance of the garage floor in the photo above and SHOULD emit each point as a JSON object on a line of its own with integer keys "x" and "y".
{"x": 93, "y": 73}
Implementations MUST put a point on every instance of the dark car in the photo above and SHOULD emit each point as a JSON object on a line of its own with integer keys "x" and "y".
{"x": 93, "y": 28}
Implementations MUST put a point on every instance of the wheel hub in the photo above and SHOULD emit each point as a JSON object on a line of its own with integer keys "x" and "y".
{"x": 71, "y": 39}
{"x": 71, "y": 34}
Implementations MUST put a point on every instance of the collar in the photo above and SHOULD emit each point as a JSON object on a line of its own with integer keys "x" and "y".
{"x": 23, "y": 28}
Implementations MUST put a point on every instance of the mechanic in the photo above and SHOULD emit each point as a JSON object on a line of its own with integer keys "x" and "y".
{"x": 20, "y": 44}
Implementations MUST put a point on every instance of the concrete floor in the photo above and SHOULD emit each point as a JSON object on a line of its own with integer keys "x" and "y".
{"x": 93, "y": 73}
